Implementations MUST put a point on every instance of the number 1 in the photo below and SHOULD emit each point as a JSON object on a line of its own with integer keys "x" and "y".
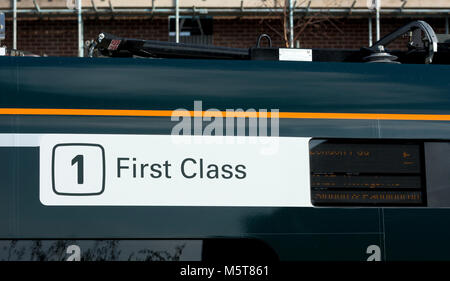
{"x": 79, "y": 161}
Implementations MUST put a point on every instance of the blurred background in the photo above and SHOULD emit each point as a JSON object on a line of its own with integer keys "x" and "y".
{"x": 60, "y": 27}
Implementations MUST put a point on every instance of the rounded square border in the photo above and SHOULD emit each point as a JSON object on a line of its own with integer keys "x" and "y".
{"x": 78, "y": 144}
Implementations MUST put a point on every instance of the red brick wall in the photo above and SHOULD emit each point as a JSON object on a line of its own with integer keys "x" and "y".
{"x": 151, "y": 29}
{"x": 59, "y": 37}
{"x": 44, "y": 37}
{"x": 341, "y": 33}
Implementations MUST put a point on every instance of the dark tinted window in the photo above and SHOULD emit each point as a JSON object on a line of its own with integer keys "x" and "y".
{"x": 367, "y": 172}
{"x": 437, "y": 161}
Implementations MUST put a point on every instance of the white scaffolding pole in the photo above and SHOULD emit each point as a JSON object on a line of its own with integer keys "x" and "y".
{"x": 14, "y": 24}
{"x": 80, "y": 29}
{"x": 394, "y": 12}
{"x": 370, "y": 31}
{"x": 291, "y": 24}
{"x": 177, "y": 21}
{"x": 377, "y": 7}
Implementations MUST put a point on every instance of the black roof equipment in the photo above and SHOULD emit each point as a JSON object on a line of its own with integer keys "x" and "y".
{"x": 424, "y": 47}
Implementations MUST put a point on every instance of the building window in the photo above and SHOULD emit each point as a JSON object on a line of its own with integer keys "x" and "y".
{"x": 193, "y": 29}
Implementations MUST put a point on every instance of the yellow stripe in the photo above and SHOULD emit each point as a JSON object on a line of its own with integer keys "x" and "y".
{"x": 168, "y": 113}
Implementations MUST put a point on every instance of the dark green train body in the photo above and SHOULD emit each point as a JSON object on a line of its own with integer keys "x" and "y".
{"x": 293, "y": 233}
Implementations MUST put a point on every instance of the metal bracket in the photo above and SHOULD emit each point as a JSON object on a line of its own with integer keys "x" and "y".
{"x": 351, "y": 8}
{"x": 36, "y": 5}
{"x": 94, "y": 6}
{"x": 200, "y": 26}
{"x": 182, "y": 20}
{"x": 307, "y": 8}
{"x": 403, "y": 5}
{"x": 153, "y": 9}
{"x": 242, "y": 10}
{"x": 38, "y": 9}
{"x": 112, "y": 9}
{"x": 425, "y": 27}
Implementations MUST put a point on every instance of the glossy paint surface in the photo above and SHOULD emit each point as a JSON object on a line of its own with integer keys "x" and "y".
{"x": 154, "y": 84}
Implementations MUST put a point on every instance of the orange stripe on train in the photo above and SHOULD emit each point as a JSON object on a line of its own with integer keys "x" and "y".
{"x": 231, "y": 114}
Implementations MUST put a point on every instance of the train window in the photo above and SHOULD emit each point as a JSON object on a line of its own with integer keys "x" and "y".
{"x": 367, "y": 173}
{"x": 437, "y": 162}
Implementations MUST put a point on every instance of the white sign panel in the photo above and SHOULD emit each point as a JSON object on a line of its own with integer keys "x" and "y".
{"x": 164, "y": 170}
{"x": 295, "y": 54}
